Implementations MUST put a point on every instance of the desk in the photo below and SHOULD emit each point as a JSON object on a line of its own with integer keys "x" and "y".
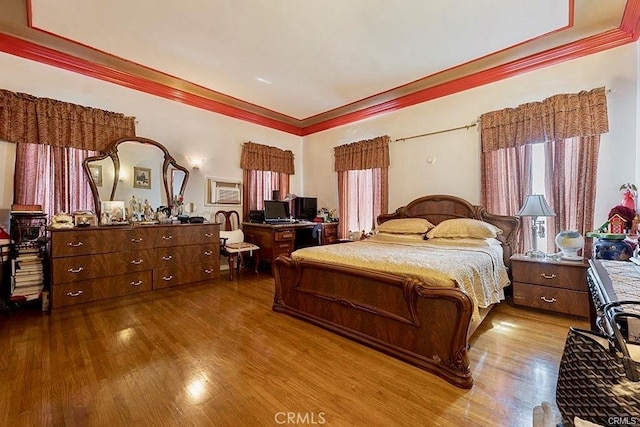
{"x": 282, "y": 239}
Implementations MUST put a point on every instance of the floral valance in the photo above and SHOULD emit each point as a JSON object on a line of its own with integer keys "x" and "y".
{"x": 556, "y": 118}
{"x": 266, "y": 158}
{"x": 365, "y": 154}
{"x": 28, "y": 119}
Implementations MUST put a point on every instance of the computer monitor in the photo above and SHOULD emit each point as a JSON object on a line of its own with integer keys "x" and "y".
{"x": 305, "y": 208}
{"x": 276, "y": 211}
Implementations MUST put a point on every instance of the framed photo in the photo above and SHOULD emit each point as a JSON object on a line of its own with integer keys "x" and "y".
{"x": 96, "y": 174}
{"x": 85, "y": 219}
{"x": 141, "y": 177}
{"x": 112, "y": 211}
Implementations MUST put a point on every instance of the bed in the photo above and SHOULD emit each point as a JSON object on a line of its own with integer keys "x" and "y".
{"x": 425, "y": 321}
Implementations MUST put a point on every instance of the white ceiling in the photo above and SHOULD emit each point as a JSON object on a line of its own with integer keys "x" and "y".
{"x": 300, "y": 60}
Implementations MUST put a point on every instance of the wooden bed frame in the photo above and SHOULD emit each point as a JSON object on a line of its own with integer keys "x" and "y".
{"x": 425, "y": 326}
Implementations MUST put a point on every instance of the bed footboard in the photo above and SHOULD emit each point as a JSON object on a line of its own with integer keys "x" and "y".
{"x": 402, "y": 317}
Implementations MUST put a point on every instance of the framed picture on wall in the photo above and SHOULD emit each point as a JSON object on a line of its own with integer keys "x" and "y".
{"x": 141, "y": 177}
{"x": 96, "y": 174}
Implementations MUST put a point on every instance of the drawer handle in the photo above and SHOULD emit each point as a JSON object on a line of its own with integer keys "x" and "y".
{"x": 166, "y": 257}
{"x": 284, "y": 245}
{"x": 209, "y": 270}
{"x": 167, "y": 278}
{"x": 167, "y": 237}
{"x": 138, "y": 240}
{"x": 75, "y": 244}
{"x": 75, "y": 270}
{"x": 138, "y": 283}
{"x": 74, "y": 294}
{"x": 208, "y": 253}
{"x": 550, "y": 301}
{"x": 548, "y": 276}
{"x": 136, "y": 262}
{"x": 208, "y": 235}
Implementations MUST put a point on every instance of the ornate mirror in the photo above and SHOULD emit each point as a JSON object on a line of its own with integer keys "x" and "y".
{"x": 136, "y": 167}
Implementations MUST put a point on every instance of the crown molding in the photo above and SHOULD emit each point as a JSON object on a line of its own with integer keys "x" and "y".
{"x": 48, "y": 49}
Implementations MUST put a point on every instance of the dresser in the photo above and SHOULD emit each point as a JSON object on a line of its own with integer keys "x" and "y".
{"x": 548, "y": 284}
{"x": 89, "y": 264}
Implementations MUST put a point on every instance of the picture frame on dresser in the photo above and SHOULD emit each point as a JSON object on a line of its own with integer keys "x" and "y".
{"x": 85, "y": 219}
{"x": 112, "y": 211}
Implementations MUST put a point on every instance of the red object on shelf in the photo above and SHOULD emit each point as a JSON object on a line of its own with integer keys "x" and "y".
{"x": 617, "y": 224}
{"x": 628, "y": 200}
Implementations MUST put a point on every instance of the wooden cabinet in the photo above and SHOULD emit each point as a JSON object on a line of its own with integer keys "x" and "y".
{"x": 282, "y": 239}
{"x": 329, "y": 233}
{"x": 98, "y": 263}
{"x": 555, "y": 285}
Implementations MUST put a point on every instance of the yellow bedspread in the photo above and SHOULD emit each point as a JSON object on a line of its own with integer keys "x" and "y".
{"x": 478, "y": 271}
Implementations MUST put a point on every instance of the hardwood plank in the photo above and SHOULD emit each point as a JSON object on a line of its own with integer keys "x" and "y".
{"x": 215, "y": 354}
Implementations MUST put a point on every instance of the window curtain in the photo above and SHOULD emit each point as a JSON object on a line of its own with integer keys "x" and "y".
{"x": 53, "y": 177}
{"x": 570, "y": 126}
{"x": 52, "y": 139}
{"x": 571, "y": 165}
{"x": 363, "y": 183}
{"x": 265, "y": 169}
{"x": 28, "y": 119}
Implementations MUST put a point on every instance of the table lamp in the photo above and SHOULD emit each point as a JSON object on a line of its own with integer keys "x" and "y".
{"x": 534, "y": 206}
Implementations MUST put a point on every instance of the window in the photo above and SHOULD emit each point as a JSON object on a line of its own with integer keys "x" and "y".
{"x": 362, "y": 188}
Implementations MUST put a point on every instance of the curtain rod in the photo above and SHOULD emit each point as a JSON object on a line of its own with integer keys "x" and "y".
{"x": 460, "y": 127}
{"x": 437, "y": 132}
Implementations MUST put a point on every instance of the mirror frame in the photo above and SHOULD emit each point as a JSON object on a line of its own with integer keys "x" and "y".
{"x": 112, "y": 151}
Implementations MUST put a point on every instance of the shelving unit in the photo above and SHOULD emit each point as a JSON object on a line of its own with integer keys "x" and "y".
{"x": 28, "y": 275}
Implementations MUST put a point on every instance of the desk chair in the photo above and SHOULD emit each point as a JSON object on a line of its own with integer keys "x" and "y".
{"x": 232, "y": 244}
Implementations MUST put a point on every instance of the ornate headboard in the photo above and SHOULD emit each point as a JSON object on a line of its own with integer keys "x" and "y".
{"x": 438, "y": 208}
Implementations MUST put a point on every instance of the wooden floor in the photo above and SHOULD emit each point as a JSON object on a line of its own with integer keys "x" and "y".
{"x": 216, "y": 355}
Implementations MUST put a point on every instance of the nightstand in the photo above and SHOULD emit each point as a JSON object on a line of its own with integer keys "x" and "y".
{"x": 555, "y": 285}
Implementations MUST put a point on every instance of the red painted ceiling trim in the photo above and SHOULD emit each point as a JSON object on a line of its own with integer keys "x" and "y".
{"x": 631, "y": 19}
{"x": 45, "y": 55}
{"x": 580, "y": 48}
{"x": 629, "y": 32}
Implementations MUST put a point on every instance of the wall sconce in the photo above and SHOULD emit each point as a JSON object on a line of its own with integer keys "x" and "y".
{"x": 196, "y": 162}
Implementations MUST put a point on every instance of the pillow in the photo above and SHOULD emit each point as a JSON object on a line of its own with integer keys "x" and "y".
{"x": 464, "y": 227}
{"x": 397, "y": 237}
{"x": 466, "y": 241}
{"x": 405, "y": 226}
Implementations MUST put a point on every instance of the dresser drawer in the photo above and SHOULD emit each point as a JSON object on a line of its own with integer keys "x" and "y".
{"x": 80, "y": 242}
{"x": 552, "y": 275}
{"x": 549, "y": 298}
{"x": 96, "y": 289}
{"x": 73, "y": 269}
{"x": 330, "y": 230}
{"x": 189, "y": 254}
{"x": 284, "y": 235}
{"x": 186, "y": 273}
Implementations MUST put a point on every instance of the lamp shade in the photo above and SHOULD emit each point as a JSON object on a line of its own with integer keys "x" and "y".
{"x": 536, "y": 205}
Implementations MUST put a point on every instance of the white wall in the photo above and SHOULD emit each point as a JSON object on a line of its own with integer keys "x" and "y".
{"x": 457, "y": 167}
{"x": 184, "y": 130}
{"x": 188, "y": 131}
